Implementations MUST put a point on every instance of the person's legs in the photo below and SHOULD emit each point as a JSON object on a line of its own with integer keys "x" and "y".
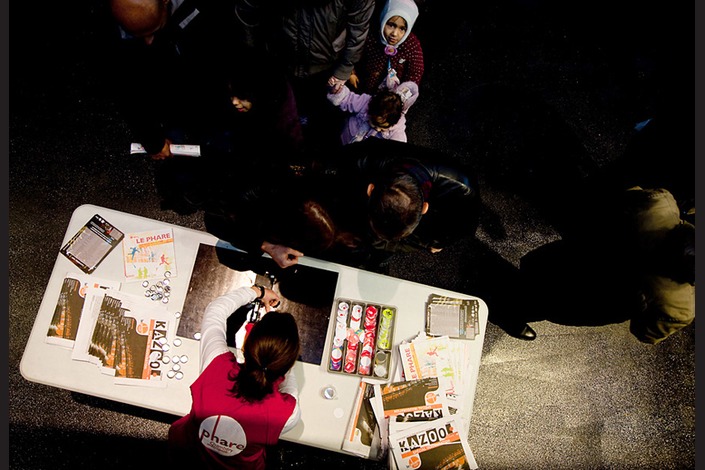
{"x": 497, "y": 282}
{"x": 177, "y": 180}
{"x": 321, "y": 121}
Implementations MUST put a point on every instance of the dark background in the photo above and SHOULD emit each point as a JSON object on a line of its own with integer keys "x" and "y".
{"x": 506, "y": 83}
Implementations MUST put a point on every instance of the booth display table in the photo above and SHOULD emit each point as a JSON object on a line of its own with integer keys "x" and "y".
{"x": 324, "y": 420}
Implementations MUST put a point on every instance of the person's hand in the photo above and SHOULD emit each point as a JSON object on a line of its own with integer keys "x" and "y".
{"x": 165, "y": 152}
{"x": 391, "y": 82}
{"x": 435, "y": 250}
{"x": 335, "y": 85}
{"x": 354, "y": 80}
{"x": 270, "y": 300}
{"x": 282, "y": 255}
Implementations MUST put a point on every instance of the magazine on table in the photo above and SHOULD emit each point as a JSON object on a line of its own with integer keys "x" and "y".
{"x": 412, "y": 400}
{"x": 92, "y": 243}
{"x": 67, "y": 313}
{"x": 149, "y": 254}
{"x": 123, "y": 335}
{"x": 362, "y": 436}
{"x": 399, "y": 405}
{"x": 443, "y": 357}
{"x": 432, "y": 445}
{"x": 449, "y": 316}
{"x": 426, "y": 356}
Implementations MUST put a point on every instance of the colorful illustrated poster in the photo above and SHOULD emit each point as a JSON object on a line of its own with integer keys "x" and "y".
{"x": 149, "y": 254}
{"x": 432, "y": 357}
{"x": 67, "y": 313}
{"x": 442, "y": 357}
{"x": 426, "y": 357}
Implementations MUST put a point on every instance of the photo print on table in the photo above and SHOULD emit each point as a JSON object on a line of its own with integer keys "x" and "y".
{"x": 306, "y": 292}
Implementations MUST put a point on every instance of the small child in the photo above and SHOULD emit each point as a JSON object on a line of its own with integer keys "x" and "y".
{"x": 381, "y": 115}
{"x": 393, "y": 57}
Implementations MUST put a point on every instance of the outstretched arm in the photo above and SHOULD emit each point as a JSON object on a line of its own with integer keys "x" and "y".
{"x": 358, "y": 26}
{"x": 215, "y": 317}
{"x": 282, "y": 255}
{"x": 350, "y": 101}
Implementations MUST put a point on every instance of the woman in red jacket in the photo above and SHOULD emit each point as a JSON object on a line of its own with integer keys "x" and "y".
{"x": 240, "y": 408}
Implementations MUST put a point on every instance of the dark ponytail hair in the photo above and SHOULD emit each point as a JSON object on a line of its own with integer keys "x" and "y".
{"x": 270, "y": 350}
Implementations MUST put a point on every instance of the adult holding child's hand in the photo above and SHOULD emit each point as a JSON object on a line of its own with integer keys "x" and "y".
{"x": 335, "y": 84}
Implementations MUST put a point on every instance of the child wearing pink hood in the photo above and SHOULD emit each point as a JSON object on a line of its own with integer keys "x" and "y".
{"x": 393, "y": 55}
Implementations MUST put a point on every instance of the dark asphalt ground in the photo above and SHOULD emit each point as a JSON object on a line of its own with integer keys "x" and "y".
{"x": 506, "y": 82}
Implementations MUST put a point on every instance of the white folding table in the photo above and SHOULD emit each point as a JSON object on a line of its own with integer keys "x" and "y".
{"x": 323, "y": 420}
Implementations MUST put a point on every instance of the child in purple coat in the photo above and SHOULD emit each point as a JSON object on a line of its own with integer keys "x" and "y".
{"x": 381, "y": 115}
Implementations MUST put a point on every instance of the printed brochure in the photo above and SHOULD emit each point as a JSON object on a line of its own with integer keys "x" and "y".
{"x": 149, "y": 254}
{"x": 67, "y": 313}
{"x": 432, "y": 445}
{"x": 123, "y": 335}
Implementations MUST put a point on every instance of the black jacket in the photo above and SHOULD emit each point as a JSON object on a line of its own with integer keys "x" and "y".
{"x": 266, "y": 210}
{"x": 309, "y": 36}
{"x": 453, "y": 196}
{"x": 178, "y": 81}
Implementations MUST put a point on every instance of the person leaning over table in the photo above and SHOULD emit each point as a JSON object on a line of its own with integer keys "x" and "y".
{"x": 353, "y": 190}
{"x": 412, "y": 199}
{"x": 240, "y": 408}
{"x": 240, "y": 212}
{"x": 380, "y": 197}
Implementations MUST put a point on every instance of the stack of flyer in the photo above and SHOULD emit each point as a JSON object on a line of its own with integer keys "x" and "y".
{"x": 421, "y": 431}
{"x": 122, "y": 334}
{"x": 64, "y": 324}
{"x": 437, "y": 444}
{"x": 417, "y": 423}
{"x": 428, "y": 356}
{"x": 411, "y": 423}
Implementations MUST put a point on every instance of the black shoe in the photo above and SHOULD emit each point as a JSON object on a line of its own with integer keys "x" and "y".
{"x": 521, "y": 331}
